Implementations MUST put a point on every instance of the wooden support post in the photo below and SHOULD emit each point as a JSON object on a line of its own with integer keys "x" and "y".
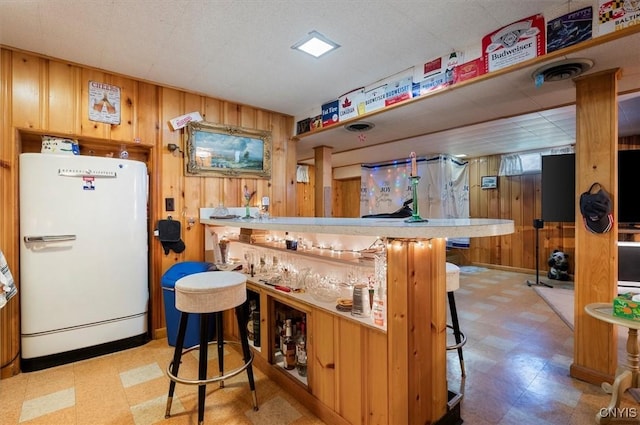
{"x": 323, "y": 181}
{"x": 416, "y": 331}
{"x": 596, "y": 256}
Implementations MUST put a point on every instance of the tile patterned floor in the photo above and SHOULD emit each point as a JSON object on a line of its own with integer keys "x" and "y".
{"x": 517, "y": 359}
{"x": 130, "y": 387}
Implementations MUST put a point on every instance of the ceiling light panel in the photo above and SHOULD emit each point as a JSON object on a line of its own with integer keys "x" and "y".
{"x": 315, "y": 44}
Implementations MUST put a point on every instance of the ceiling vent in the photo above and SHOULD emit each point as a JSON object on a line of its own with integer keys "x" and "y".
{"x": 359, "y": 126}
{"x": 562, "y": 70}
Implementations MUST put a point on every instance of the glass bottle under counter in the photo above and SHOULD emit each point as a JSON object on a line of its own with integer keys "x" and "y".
{"x": 253, "y": 323}
{"x": 301, "y": 351}
{"x": 289, "y": 348}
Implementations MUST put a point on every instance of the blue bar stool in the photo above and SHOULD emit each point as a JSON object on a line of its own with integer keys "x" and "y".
{"x": 206, "y": 293}
{"x": 453, "y": 283}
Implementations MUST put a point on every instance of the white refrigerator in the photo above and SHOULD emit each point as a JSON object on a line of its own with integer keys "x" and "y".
{"x": 84, "y": 287}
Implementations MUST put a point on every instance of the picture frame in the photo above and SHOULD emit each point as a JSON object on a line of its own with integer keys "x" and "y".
{"x": 488, "y": 182}
{"x": 218, "y": 150}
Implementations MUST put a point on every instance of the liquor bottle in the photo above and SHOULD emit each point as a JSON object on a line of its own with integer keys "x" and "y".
{"x": 255, "y": 319}
{"x": 279, "y": 332}
{"x": 301, "y": 351}
{"x": 290, "y": 242}
{"x": 380, "y": 293}
{"x": 289, "y": 348}
{"x": 283, "y": 331}
{"x": 451, "y": 64}
{"x": 379, "y": 306}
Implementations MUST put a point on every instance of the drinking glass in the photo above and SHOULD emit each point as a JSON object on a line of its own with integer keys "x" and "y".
{"x": 251, "y": 257}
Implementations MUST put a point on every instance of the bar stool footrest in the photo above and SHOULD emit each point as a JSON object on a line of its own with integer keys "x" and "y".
{"x": 227, "y": 375}
{"x": 463, "y": 340}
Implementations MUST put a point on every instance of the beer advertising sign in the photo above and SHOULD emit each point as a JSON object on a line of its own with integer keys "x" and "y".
{"x": 514, "y": 43}
{"x": 614, "y": 15}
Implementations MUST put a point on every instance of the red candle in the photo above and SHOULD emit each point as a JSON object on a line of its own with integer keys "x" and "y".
{"x": 414, "y": 166}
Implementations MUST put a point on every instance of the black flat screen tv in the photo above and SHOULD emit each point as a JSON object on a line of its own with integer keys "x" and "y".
{"x": 629, "y": 264}
{"x": 628, "y": 173}
{"x": 559, "y": 187}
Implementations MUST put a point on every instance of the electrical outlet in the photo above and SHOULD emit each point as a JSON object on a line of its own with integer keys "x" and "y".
{"x": 169, "y": 204}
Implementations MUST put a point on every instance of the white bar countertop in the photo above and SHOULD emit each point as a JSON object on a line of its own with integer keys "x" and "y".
{"x": 379, "y": 227}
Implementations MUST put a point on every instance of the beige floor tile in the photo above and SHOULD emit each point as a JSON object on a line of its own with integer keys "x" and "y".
{"x": 59, "y": 417}
{"x": 152, "y": 411}
{"x": 48, "y": 381}
{"x": 276, "y": 411}
{"x": 141, "y": 374}
{"x": 43, "y": 405}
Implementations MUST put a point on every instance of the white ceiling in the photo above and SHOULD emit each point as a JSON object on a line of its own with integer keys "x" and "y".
{"x": 240, "y": 50}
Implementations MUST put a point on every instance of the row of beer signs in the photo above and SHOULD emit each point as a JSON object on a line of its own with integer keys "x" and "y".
{"x": 433, "y": 75}
{"x": 517, "y": 42}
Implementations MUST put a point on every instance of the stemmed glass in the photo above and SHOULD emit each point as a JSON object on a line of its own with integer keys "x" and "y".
{"x": 264, "y": 208}
{"x": 251, "y": 257}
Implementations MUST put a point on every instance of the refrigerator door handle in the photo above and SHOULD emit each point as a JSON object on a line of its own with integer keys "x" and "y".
{"x": 51, "y": 238}
{"x": 87, "y": 173}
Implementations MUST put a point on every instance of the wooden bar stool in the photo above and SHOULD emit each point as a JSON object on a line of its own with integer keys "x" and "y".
{"x": 453, "y": 283}
{"x": 205, "y": 293}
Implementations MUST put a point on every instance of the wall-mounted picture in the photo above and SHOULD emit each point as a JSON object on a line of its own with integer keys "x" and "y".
{"x": 488, "y": 182}
{"x": 218, "y": 150}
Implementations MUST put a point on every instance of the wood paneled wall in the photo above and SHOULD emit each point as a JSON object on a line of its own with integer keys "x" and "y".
{"x": 345, "y": 202}
{"x": 516, "y": 198}
{"x": 46, "y": 96}
{"x": 305, "y": 196}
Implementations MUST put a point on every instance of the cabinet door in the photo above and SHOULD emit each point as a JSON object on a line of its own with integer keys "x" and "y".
{"x": 321, "y": 357}
{"x": 349, "y": 370}
{"x": 375, "y": 378}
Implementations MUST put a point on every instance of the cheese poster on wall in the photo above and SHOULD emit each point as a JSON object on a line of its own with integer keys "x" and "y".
{"x": 569, "y": 29}
{"x": 104, "y": 103}
{"x": 514, "y": 43}
{"x": 351, "y": 104}
{"x": 614, "y": 15}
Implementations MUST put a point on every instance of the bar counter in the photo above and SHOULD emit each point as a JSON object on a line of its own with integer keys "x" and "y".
{"x": 383, "y": 227}
{"x": 360, "y": 375}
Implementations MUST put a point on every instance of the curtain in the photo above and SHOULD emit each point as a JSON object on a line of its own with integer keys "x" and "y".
{"x": 516, "y": 164}
{"x": 384, "y": 187}
{"x": 510, "y": 165}
{"x": 448, "y": 187}
{"x": 443, "y": 189}
{"x": 302, "y": 174}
